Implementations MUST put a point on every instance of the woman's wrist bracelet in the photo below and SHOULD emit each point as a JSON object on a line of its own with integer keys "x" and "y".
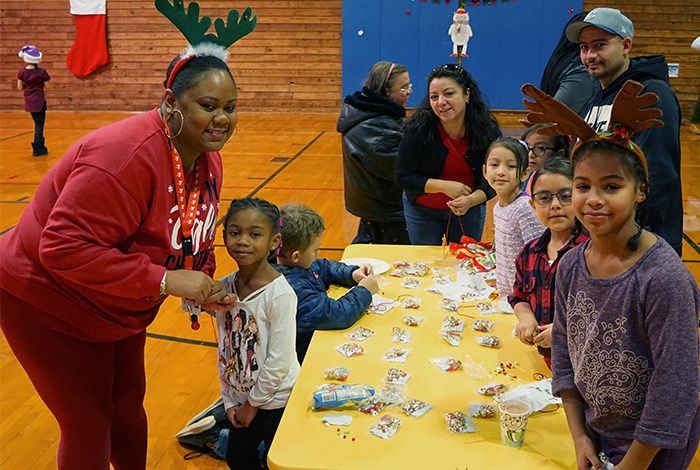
{"x": 163, "y": 284}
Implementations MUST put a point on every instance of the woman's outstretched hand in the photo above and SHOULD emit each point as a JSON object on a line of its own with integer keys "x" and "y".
{"x": 195, "y": 285}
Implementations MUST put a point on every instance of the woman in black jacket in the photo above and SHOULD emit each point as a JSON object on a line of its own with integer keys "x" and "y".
{"x": 441, "y": 157}
{"x": 370, "y": 122}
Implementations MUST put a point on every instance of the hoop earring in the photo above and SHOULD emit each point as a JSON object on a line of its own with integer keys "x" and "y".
{"x": 182, "y": 123}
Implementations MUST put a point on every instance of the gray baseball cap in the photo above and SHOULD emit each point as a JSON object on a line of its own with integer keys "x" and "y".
{"x": 607, "y": 19}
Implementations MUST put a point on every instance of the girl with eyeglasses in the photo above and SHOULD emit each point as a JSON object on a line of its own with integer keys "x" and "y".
{"x": 370, "y": 123}
{"x": 543, "y": 147}
{"x": 441, "y": 157}
{"x": 536, "y": 265}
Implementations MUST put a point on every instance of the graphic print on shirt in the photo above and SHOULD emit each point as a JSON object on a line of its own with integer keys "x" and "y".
{"x": 611, "y": 378}
{"x": 599, "y": 117}
{"x": 238, "y": 362}
{"x": 203, "y": 229}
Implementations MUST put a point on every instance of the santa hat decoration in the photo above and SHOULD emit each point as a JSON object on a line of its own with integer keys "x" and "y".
{"x": 30, "y": 54}
{"x": 195, "y": 31}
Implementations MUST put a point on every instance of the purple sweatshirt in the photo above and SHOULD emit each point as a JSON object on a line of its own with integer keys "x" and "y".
{"x": 629, "y": 345}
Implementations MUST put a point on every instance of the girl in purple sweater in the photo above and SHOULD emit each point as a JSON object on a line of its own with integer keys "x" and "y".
{"x": 625, "y": 338}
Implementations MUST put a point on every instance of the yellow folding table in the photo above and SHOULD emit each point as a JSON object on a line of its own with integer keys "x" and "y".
{"x": 304, "y": 442}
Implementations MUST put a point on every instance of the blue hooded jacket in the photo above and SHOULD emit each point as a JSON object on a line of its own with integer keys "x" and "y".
{"x": 317, "y": 311}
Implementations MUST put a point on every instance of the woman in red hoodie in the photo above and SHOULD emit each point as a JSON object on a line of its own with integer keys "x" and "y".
{"x": 124, "y": 219}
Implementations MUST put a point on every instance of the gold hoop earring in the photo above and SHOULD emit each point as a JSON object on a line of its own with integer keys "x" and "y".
{"x": 182, "y": 122}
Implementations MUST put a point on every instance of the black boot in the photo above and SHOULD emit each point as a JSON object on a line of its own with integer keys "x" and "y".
{"x": 39, "y": 149}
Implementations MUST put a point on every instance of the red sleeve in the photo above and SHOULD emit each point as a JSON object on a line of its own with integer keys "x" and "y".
{"x": 518, "y": 295}
{"x": 93, "y": 216}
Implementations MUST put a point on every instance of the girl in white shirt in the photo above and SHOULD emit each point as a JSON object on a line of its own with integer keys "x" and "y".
{"x": 257, "y": 359}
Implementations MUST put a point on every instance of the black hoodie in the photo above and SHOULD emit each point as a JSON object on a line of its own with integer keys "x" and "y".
{"x": 662, "y": 212}
{"x": 371, "y": 128}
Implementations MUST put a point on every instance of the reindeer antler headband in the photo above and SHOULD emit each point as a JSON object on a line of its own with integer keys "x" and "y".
{"x": 631, "y": 113}
{"x": 195, "y": 30}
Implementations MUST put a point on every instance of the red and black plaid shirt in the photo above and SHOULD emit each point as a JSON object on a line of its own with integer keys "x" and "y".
{"x": 534, "y": 276}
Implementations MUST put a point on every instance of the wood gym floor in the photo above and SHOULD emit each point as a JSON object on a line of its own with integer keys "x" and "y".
{"x": 281, "y": 157}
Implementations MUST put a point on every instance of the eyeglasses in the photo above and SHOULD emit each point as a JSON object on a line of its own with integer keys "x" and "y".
{"x": 540, "y": 149}
{"x": 545, "y": 198}
{"x": 407, "y": 89}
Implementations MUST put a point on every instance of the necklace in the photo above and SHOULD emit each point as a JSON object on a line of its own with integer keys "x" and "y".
{"x": 186, "y": 204}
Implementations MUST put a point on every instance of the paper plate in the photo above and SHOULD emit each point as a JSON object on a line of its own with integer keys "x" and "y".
{"x": 378, "y": 265}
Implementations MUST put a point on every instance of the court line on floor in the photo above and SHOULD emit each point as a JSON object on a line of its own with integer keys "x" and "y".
{"x": 691, "y": 243}
{"x": 286, "y": 164}
{"x": 16, "y": 135}
{"x": 178, "y": 339}
{"x": 278, "y": 171}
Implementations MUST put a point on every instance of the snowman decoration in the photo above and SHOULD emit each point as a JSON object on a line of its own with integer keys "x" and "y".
{"x": 460, "y": 32}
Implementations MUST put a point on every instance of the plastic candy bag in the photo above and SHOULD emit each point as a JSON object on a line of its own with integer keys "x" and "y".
{"x": 336, "y": 373}
{"x": 458, "y": 423}
{"x": 396, "y": 355}
{"x": 481, "y": 410}
{"x": 360, "y": 334}
{"x": 399, "y": 335}
{"x": 386, "y": 426}
{"x": 416, "y": 408}
{"x": 484, "y": 326}
{"x": 491, "y": 341}
{"x": 446, "y": 363}
{"x": 350, "y": 349}
{"x": 334, "y": 396}
{"x": 412, "y": 320}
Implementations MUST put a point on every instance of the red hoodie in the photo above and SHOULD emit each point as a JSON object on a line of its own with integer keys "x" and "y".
{"x": 91, "y": 248}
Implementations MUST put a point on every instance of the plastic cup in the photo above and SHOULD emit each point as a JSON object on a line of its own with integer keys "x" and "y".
{"x": 513, "y": 417}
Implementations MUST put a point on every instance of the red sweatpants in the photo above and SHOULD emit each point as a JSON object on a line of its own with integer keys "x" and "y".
{"x": 94, "y": 390}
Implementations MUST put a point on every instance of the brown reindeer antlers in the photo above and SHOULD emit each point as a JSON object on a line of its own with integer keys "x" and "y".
{"x": 562, "y": 120}
{"x": 633, "y": 110}
{"x": 195, "y": 29}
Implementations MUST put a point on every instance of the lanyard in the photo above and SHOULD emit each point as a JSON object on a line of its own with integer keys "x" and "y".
{"x": 187, "y": 206}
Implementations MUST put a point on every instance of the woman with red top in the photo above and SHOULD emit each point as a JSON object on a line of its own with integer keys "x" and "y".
{"x": 124, "y": 219}
{"x": 441, "y": 156}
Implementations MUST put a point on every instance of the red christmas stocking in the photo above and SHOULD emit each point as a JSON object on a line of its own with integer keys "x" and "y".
{"x": 89, "y": 51}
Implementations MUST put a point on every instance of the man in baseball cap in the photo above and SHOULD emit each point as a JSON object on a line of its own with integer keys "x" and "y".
{"x": 607, "y": 19}
{"x": 605, "y": 37}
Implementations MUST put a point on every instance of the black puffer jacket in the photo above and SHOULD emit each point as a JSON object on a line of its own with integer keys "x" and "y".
{"x": 371, "y": 128}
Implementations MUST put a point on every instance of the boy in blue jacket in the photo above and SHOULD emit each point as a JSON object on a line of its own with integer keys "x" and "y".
{"x": 310, "y": 277}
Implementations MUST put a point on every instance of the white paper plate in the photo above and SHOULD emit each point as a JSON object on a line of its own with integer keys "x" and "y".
{"x": 378, "y": 265}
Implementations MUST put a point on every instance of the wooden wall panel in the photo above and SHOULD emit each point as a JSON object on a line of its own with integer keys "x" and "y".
{"x": 291, "y": 62}
{"x": 666, "y": 27}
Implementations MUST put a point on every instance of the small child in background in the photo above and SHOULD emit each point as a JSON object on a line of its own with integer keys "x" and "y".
{"x": 31, "y": 79}
{"x": 540, "y": 149}
{"x": 310, "y": 277}
{"x": 514, "y": 221}
{"x": 536, "y": 265}
{"x": 257, "y": 361}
